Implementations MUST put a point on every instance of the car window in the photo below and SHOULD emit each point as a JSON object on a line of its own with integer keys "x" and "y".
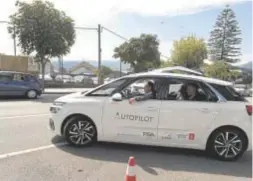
{"x": 136, "y": 88}
{"x": 108, "y": 89}
{"x": 211, "y": 95}
{"x": 6, "y": 77}
{"x": 176, "y": 89}
{"x": 19, "y": 77}
{"x": 30, "y": 78}
{"x": 228, "y": 92}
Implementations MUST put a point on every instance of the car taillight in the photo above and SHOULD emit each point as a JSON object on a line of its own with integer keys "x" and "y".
{"x": 249, "y": 109}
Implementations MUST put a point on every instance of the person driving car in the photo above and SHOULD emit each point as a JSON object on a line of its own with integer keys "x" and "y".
{"x": 150, "y": 93}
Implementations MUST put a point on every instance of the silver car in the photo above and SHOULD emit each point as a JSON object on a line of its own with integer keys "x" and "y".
{"x": 19, "y": 84}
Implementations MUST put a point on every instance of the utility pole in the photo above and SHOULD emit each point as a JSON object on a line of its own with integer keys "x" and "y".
{"x": 14, "y": 40}
{"x": 99, "y": 56}
{"x": 123, "y": 38}
{"x": 120, "y": 68}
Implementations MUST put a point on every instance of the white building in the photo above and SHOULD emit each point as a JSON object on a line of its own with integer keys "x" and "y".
{"x": 83, "y": 68}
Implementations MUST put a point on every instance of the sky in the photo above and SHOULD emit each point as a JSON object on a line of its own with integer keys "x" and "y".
{"x": 169, "y": 20}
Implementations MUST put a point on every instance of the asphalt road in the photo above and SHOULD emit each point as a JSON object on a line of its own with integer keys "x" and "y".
{"x": 29, "y": 152}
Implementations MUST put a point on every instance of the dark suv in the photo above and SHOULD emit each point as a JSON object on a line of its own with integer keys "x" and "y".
{"x": 19, "y": 84}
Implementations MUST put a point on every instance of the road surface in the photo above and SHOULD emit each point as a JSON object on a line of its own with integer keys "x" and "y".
{"x": 30, "y": 152}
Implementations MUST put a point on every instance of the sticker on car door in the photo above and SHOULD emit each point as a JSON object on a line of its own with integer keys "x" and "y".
{"x": 133, "y": 117}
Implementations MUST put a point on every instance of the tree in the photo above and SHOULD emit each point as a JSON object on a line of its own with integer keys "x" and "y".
{"x": 247, "y": 78}
{"x": 224, "y": 42}
{"x": 43, "y": 30}
{"x": 166, "y": 63}
{"x": 141, "y": 53}
{"x": 220, "y": 70}
{"x": 105, "y": 71}
{"x": 189, "y": 52}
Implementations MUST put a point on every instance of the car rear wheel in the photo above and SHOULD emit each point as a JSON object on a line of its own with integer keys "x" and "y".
{"x": 227, "y": 144}
{"x": 80, "y": 132}
{"x": 31, "y": 94}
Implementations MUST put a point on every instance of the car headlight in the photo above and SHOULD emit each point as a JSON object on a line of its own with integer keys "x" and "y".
{"x": 56, "y": 107}
{"x": 58, "y": 103}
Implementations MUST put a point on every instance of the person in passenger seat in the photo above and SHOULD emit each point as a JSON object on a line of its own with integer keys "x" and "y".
{"x": 150, "y": 93}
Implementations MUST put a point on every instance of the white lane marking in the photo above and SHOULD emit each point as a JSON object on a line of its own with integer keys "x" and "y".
{"x": 7, "y": 155}
{"x": 24, "y": 116}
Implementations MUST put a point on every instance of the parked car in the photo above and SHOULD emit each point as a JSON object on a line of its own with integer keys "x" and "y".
{"x": 220, "y": 124}
{"x": 244, "y": 91}
{"x": 19, "y": 84}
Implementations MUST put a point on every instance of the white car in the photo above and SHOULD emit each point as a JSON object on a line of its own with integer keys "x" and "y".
{"x": 221, "y": 124}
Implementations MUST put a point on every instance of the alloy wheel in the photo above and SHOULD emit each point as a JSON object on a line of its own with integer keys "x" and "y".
{"x": 81, "y": 132}
{"x": 228, "y": 144}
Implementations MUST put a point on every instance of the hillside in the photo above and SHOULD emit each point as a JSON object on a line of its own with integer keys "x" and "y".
{"x": 243, "y": 65}
{"x": 109, "y": 63}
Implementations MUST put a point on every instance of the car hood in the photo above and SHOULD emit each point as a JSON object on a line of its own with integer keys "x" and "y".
{"x": 67, "y": 97}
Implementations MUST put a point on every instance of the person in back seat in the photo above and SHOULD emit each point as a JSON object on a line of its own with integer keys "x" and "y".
{"x": 190, "y": 92}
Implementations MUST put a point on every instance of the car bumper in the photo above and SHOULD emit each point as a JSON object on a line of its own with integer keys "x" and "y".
{"x": 54, "y": 126}
{"x": 56, "y": 120}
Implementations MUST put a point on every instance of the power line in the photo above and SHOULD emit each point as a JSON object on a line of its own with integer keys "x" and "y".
{"x": 114, "y": 33}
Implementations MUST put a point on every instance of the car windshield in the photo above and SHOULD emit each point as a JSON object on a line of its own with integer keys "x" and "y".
{"x": 108, "y": 88}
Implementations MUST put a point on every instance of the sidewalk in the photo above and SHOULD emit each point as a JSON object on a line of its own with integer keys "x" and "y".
{"x": 64, "y": 90}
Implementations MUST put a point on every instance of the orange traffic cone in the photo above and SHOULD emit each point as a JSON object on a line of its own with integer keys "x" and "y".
{"x": 130, "y": 173}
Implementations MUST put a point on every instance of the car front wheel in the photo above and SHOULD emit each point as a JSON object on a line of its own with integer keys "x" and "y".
{"x": 31, "y": 94}
{"x": 227, "y": 144}
{"x": 80, "y": 132}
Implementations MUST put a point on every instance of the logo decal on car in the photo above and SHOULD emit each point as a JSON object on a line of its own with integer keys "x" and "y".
{"x": 182, "y": 136}
{"x": 191, "y": 136}
{"x": 167, "y": 137}
{"x": 132, "y": 117}
{"x": 148, "y": 134}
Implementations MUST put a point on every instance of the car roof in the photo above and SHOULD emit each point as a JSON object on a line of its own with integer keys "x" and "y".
{"x": 180, "y": 68}
{"x": 15, "y": 72}
{"x": 183, "y": 76}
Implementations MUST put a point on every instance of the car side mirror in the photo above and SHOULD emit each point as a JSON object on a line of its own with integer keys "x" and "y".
{"x": 117, "y": 97}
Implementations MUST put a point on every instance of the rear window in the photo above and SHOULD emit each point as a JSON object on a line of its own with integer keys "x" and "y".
{"x": 31, "y": 78}
{"x": 228, "y": 92}
{"x": 6, "y": 77}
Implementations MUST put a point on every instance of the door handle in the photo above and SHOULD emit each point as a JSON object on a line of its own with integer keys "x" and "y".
{"x": 152, "y": 109}
{"x": 204, "y": 109}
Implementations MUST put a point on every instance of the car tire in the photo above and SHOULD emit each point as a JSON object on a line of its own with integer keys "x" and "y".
{"x": 80, "y": 132}
{"x": 31, "y": 94}
{"x": 227, "y": 144}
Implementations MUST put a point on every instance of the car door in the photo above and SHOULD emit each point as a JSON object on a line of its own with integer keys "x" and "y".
{"x": 18, "y": 84}
{"x": 182, "y": 122}
{"x": 5, "y": 84}
{"x": 134, "y": 123}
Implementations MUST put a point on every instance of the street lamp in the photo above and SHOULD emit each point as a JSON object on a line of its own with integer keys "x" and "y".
{"x": 14, "y": 37}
